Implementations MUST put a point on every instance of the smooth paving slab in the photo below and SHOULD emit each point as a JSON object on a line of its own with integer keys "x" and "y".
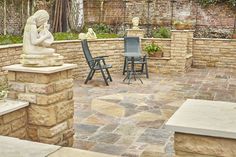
{"x": 203, "y": 117}
{"x": 13, "y": 147}
{"x": 43, "y": 70}
{"x": 8, "y": 106}
{"x": 71, "y": 152}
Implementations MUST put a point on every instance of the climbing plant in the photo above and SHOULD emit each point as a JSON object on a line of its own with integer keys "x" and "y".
{"x": 231, "y": 3}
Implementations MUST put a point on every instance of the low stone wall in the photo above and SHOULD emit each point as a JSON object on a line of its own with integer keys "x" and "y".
{"x": 214, "y": 53}
{"x": 14, "y": 124}
{"x": 72, "y": 51}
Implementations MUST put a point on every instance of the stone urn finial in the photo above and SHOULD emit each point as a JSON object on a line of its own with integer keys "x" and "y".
{"x": 135, "y": 22}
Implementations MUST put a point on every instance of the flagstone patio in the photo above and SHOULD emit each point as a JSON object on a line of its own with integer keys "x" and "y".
{"x": 128, "y": 120}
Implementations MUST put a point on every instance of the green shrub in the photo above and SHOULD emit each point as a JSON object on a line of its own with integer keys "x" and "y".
{"x": 161, "y": 33}
{"x": 65, "y": 36}
{"x": 101, "y": 28}
{"x": 106, "y": 35}
{"x": 231, "y": 3}
{"x": 10, "y": 39}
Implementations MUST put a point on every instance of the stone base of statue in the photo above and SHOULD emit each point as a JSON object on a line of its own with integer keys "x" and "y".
{"x": 135, "y": 33}
{"x": 30, "y": 60}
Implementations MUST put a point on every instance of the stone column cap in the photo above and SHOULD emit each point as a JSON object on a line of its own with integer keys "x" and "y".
{"x": 41, "y": 70}
{"x": 204, "y": 117}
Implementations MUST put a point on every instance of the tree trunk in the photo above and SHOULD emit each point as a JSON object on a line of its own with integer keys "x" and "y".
{"x": 76, "y": 15}
{"x": 5, "y": 17}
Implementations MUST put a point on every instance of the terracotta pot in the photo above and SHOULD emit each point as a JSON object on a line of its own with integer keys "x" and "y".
{"x": 183, "y": 26}
{"x": 156, "y": 54}
{"x": 234, "y": 36}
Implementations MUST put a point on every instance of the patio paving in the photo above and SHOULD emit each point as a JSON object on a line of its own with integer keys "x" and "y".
{"x": 128, "y": 120}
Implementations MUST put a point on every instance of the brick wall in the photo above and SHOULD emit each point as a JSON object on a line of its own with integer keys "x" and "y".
{"x": 214, "y": 53}
{"x": 14, "y": 124}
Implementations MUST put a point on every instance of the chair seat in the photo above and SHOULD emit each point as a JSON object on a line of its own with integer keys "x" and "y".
{"x": 138, "y": 62}
{"x": 107, "y": 66}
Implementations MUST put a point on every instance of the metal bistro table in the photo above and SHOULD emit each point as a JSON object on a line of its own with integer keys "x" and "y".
{"x": 132, "y": 71}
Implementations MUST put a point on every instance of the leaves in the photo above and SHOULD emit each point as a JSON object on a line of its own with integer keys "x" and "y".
{"x": 205, "y": 3}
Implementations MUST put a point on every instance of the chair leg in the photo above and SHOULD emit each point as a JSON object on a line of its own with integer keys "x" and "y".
{"x": 92, "y": 75}
{"x": 146, "y": 69}
{"x": 89, "y": 76}
{"x": 104, "y": 77}
{"x": 142, "y": 68}
{"x": 124, "y": 68}
{"x": 108, "y": 73}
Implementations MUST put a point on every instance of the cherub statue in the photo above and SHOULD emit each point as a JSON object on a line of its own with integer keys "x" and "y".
{"x": 37, "y": 40}
{"x": 135, "y": 22}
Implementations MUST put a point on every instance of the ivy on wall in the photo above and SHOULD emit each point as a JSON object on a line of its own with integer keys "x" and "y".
{"x": 231, "y": 3}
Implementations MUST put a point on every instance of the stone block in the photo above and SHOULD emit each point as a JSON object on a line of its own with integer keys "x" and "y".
{"x": 53, "y": 140}
{"x": 11, "y": 76}
{"x": 63, "y": 84}
{"x": 13, "y": 115}
{"x": 64, "y": 110}
{"x": 18, "y": 87}
{"x": 42, "y": 115}
{"x": 205, "y": 145}
{"x": 27, "y": 97}
{"x": 70, "y": 123}
{"x": 40, "y": 88}
{"x": 19, "y": 123}
{"x": 68, "y": 134}
{"x": 25, "y": 77}
{"x": 21, "y": 133}
{"x": 5, "y": 129}
{"x": 32, "y": 132}
{"x": 50, "y": 132}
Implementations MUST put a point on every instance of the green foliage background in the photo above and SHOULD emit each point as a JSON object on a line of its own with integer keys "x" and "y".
{"x": 231, "y": 3}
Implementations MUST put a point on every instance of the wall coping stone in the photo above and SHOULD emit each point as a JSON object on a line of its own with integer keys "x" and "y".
{"x": 11, "y": 105}
{"x": 165, "y": 39}
{"x": 10, "y": 46}
{"x": 206, "y": 118}
{"x": 214, "y": 39}
{"x": 182, "y": 30}
{"x": 41, "y": 70}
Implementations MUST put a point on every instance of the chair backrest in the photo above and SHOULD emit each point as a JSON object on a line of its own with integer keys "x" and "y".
{"x": 132, "y": 45}
{"x": 87, "y": 53}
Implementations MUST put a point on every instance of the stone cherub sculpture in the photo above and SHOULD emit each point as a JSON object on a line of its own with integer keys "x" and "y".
{"x": 135, "y": 22}
{"x": 89, "y": 35}
{"x": 36, "y": 42}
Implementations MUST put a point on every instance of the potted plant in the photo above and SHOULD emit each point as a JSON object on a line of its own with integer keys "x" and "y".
{"x": 153, "y": 50}
{"x": 181, "y": 25}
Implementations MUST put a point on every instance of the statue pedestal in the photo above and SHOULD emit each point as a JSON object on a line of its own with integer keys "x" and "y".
{"x": 49, "y": 91}
{"x": 41, "y": 60}
{"x": 135, "y": 33}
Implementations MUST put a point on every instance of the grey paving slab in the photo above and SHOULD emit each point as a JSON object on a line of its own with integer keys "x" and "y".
{"x": 13, "y": 147}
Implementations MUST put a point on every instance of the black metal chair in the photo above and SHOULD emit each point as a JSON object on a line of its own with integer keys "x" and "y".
{"x": 132, "y": 45}
{"x": 96, "y": 63}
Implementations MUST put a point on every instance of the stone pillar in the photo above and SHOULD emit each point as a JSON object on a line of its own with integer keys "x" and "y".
{"x": 135, "y": 33}
{"x": 50, "y": 94}
{"x": 181, "y": 50}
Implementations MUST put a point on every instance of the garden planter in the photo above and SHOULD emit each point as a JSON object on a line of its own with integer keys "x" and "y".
{"x": 156, "y": 54}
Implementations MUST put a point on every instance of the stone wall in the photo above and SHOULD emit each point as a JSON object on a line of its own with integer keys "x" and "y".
{"x": 214, "y": 53}
{"x": 14, "y": 124}
{"x": 202, "y": 52}
{"x": 213, "y": 21}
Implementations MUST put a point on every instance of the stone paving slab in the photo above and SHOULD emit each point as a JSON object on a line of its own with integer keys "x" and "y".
{"x": 70, "y": 152}
{"x": 13, "y": 147}
{"x": 134, "y": 115}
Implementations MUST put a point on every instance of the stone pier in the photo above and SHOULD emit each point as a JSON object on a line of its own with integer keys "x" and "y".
{"x": 50, "y": 94}
{"x": 204, "y": 128}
